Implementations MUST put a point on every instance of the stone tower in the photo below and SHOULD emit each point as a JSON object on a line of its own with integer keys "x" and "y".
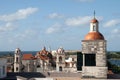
{"x": 60, "y": 61}
{"x": 17, "y": 60}
{"x": 94, "y": 53}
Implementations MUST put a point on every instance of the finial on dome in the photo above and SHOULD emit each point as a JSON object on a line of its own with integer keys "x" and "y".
{"x": 94, "y": 14}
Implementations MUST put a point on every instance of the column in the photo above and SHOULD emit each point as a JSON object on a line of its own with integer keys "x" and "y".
{"x": 83, "y": 59}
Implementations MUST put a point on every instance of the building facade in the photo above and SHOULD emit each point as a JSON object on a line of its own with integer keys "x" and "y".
{"x": 17, "y": 60}
{"x": 64, "y": 62}
{"x": 44, "y": 60}
{"x": 94, "y": 53}
{"x": 29, "y": 63}
{"x": 60, "y": 61}
{"x": 3, "y": 67}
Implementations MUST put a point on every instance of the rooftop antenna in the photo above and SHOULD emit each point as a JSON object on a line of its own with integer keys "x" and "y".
{"x": 94, "y": 14}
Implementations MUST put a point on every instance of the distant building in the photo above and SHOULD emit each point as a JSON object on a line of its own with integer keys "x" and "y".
{"x": 17, "y": 60}
{"x": 3, "y": 67}
{"x": 44, "y": 59}
{"x": 29, "y": 63}
{"x": 94, "y": 53}
{"x": 64, "y": 63}
{"x": 60, "y": 61}
{"x": 10, "y": 61}
{"x": 24, "y": 62}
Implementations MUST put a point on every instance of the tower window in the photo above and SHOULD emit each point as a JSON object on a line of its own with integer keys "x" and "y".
{"x": 16, "y": 59}
{"x": 94, "y": 28}
{"x": 60, "y": 59}
{"x": 16, "y": 68}
{"x": 90, "y": 60}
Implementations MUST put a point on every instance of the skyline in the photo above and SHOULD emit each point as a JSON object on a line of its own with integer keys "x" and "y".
{"x": 30, "y": 25}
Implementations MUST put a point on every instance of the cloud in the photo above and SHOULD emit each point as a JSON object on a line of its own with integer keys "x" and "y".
{"x": 114, "y": 34}
{"x": 77, "y": 21}
{"x": 10, "y": 18}
{"x": 55, "y": 15}
{"x": 116, "y": 31}
{"x": 80, "y": 21}
{"x": 54, "y": 29}
{"x": 26, "y": 34}
{"x": 7, "y": 27}
{"x": 111, "y": 23}
{"x": 20, "y": 14}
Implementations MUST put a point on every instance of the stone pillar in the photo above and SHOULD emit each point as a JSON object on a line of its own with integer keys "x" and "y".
{"x": 83, "y": 59}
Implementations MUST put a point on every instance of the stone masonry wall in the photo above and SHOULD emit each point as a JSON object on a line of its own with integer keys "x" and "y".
{"x": 97, "y": 47}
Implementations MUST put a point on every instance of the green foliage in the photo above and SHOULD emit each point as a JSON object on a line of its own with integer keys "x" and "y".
{"x": 113, "y": 67}
{"x": 113, "y": 55}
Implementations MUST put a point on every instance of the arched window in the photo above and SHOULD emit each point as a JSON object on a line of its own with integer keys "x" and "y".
{"x": 94, "y": 27}
{"x": 16, "y": 59}
{"x": 16, "y": 68}
{"x": 60, "y": 59}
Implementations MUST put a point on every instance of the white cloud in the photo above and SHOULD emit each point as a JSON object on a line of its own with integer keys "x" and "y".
{"x": 20, "y": 14}
{"x": 54, "y": 29}
{"x": 7, "y": 27}
{"x": 78, "y": 21}
{"x": 111, "y": 23}
{"x": 55, "y": 15}
{"x": 26, "y": 34}
{"x": 116, "y": 31}
{"x": 114, "y": 34}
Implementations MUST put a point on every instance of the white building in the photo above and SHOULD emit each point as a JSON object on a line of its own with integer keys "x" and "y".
{"x": 3, "y": 67}
{"x": 17, "y": 60}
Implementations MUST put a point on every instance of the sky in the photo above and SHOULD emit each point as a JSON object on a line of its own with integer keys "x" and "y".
{"x": 32, "y": 24}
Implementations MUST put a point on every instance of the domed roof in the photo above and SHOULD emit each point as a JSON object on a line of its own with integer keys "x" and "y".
{"x": 94, "y": 20}
{"x": 94, "y": 36}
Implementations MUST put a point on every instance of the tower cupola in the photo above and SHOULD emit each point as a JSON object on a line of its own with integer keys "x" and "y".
{"x": 94, "y": 33}
{"x": 94, "y": 24}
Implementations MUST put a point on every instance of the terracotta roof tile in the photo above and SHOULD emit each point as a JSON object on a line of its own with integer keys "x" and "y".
{"x": 27, "y": 56}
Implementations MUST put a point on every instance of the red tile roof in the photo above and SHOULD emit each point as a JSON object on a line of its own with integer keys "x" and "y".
{"x": 27, "y": 57}
{"x": 43, "y": 57}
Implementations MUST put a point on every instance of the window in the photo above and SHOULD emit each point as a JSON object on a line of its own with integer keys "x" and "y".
{"x": 90, "y": 60}
{"x": 66, "y": 64}
{"x": 16, "y": 59}
{"x": 60, "y": 59}
{"x": 8, "y": 60}
{"x": 16, "y": 68}
{"x": 94, "y": 28}
{"x": 72, "y": 59}
{"x": 3, "y": 70}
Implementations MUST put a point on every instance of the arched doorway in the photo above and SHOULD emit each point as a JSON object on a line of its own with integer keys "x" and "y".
{"x": 60, "y": 68}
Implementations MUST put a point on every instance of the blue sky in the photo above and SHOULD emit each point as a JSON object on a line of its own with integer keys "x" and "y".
{"x": 32, "y": 24}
